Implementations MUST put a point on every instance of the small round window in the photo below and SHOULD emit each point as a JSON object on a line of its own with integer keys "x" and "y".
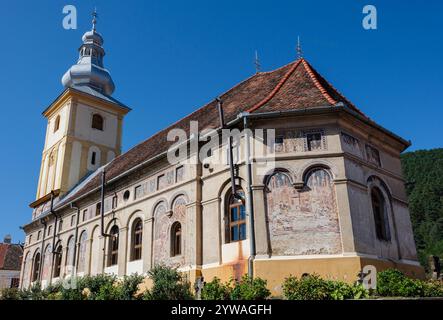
{"x": 126, "y": 195}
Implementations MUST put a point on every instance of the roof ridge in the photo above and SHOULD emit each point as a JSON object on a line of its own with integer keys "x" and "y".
{"x": 317, "y": 83}
{"x": 277, "y": 87}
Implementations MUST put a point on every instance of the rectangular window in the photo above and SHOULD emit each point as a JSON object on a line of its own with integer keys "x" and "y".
{"x": 138, "y": 192}
{"x": 161, "y": 182}
{"x": 39, "y": 234}
{"x": 98, "y": 208}
{"x": 49, "y": 231}
{"x": 30, "y": 239}
{"x": 93, "y": 158}
{"x": 114, "y": 202}
{"x": 179, "y": 174}
{"x": 314, "y": 141}
{"x": 278, "y": 144}
{"x": 60, "y": 225}
{"x": 373, "y": 155}
{"x": 85, "y": 215}
{"x": 15, "y": 282}
{"x": 73, "y": 220}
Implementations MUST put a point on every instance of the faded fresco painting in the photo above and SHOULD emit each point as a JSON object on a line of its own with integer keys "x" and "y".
{"x": 162, "y": 230}
{"x": 46, "y": 271}
{"x": 302, "y": 222}
{"x": 82, "y": 252}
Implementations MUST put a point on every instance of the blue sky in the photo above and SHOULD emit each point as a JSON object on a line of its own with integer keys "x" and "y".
{"x": 169, "y": 57}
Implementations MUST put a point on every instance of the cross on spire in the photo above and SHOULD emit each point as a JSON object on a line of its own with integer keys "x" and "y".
{"x": 299, "y": 50}
{"x": 257, "y": 63}
{"x": 94, "y": 18}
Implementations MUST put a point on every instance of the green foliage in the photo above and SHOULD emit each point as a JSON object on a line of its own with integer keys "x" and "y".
{"x": 10, "y": 294}
{"x": 393, "y": 283}
{"x": 168, "y": 284}
{"x": 423, "y": 172}
{"x": 250, "y": 289}
{"x": 129, "y": 287}
{"x": 312, "y": 287}
{"x": 216, "y": 290}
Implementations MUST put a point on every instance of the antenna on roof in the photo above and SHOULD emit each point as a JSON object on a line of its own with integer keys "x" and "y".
{"x": 299, "y": 50}
{"x": 257, "y": 63}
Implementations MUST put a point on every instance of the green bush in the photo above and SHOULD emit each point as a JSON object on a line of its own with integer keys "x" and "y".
{"x": 393, "y": 283}
{"x": 168, "y": 284}
{"x": 10, "y": 294}
{"x": 433, "y": 288}
{"x": 216, "y": 290}
{"x": 250, "y": 289}
{"x": 312, "y": 287}
{"x": 127, "y": 288}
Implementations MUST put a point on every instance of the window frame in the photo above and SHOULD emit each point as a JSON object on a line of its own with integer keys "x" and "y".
{"x": 137, "y": 240}
{"x": 58, "y": 259}
{"x": 239, "y": 222}
{"x": 379, "y": 210}
{"x": 113, "y": 246}
{"x": 176, "y": 239}
{"x": 98, "y": 122}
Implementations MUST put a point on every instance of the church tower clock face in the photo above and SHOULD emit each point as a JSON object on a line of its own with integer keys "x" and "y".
{"x": 84, "y": 123}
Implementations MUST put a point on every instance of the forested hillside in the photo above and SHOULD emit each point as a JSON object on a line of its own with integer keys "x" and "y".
{"x": 423, "y": 172}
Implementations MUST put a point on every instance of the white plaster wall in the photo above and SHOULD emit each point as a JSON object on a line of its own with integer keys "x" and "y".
{"x": 112, "y": 270}
{"x": 74, "y": 170}
{"x": 53, "y": 137}
{"x": 110, "y": 156}
{"x": 233, "y": 251}
{"x": 134, "y": 267}
{"x": 59, "y": 166}
{"x": 83, "y": 129}
{"x": 44, "y": 176}
{"x": 95, "y": 248}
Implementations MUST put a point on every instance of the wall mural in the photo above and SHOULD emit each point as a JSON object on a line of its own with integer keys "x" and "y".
{"x": 47, "y": 260}
{"x": 304, "y": 222}
{"x": 82, "y": 252}
{"x": 162, "y": 227}
{"x": 27, "y": 271}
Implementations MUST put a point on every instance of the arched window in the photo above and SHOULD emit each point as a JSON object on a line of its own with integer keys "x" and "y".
{"x": 235, "y": 218}
{"x": 36, "y": 268}
{"x": 82, "y": 252}
{"x": 58, "y": 261}
{"x": 57, "y": 123}
{"x": 380, "y": 214}
{"x": 137, "y": 239}
{"x": 176, "y": 239}
{"x": 70, "y": 253}
{"x": 97, "y": 122}
{"x": 113, "y": 247}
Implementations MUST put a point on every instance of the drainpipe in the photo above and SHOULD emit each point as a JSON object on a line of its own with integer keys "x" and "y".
{"x": 231, "y": 157}
{"x": 44, "y": 223}
{"x": 250, "y": 197}
{"x": 54, "y": 252}
{"x": 102, "y": 206}
{"x": 74, "y": 261}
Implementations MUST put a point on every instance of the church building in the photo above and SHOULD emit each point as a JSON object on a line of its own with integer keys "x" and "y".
{"x": 332, "y": 203}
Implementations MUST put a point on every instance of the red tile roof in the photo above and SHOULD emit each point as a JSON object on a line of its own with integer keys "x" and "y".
{"x": 10, "y": 256}
{"x": 294, "y": 86}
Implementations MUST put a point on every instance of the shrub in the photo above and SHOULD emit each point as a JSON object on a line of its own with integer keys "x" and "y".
{"x": 97, "y": 287}
{"x": 433, "y": 288}
{"x": 216, "y": 290}
{"x": 250, "y": 289}
{"x": 168, "y": 284}
{"x": 10, "y": 294}
{"x": 129, "y": 287}
{"x": 312, "y": 287}
{"x": 393, "y": 283}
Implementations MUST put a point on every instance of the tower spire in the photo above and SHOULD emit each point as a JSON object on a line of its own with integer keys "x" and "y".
{"x": 94, "y": 19}
{"x": 299, "y": 50}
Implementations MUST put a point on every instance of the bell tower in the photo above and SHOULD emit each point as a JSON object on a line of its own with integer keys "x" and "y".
{"x": 84, "y": 124}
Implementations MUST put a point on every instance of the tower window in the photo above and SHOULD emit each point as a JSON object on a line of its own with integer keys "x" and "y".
{"x": 57, "y": 123}
{"x": 93, "y": 158}
{"x": 97, "y": 122}
{"x": 98, "y": 208}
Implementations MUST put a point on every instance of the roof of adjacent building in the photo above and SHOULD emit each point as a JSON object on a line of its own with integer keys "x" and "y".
{"x": 295, "y": 86}
{"x": 10, "y": 256}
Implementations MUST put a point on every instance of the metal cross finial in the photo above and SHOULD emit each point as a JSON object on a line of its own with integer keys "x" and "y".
{"x": 257, "y": 63}
{"x": 299, "y": 51}
{"x": 94, "y": 18}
